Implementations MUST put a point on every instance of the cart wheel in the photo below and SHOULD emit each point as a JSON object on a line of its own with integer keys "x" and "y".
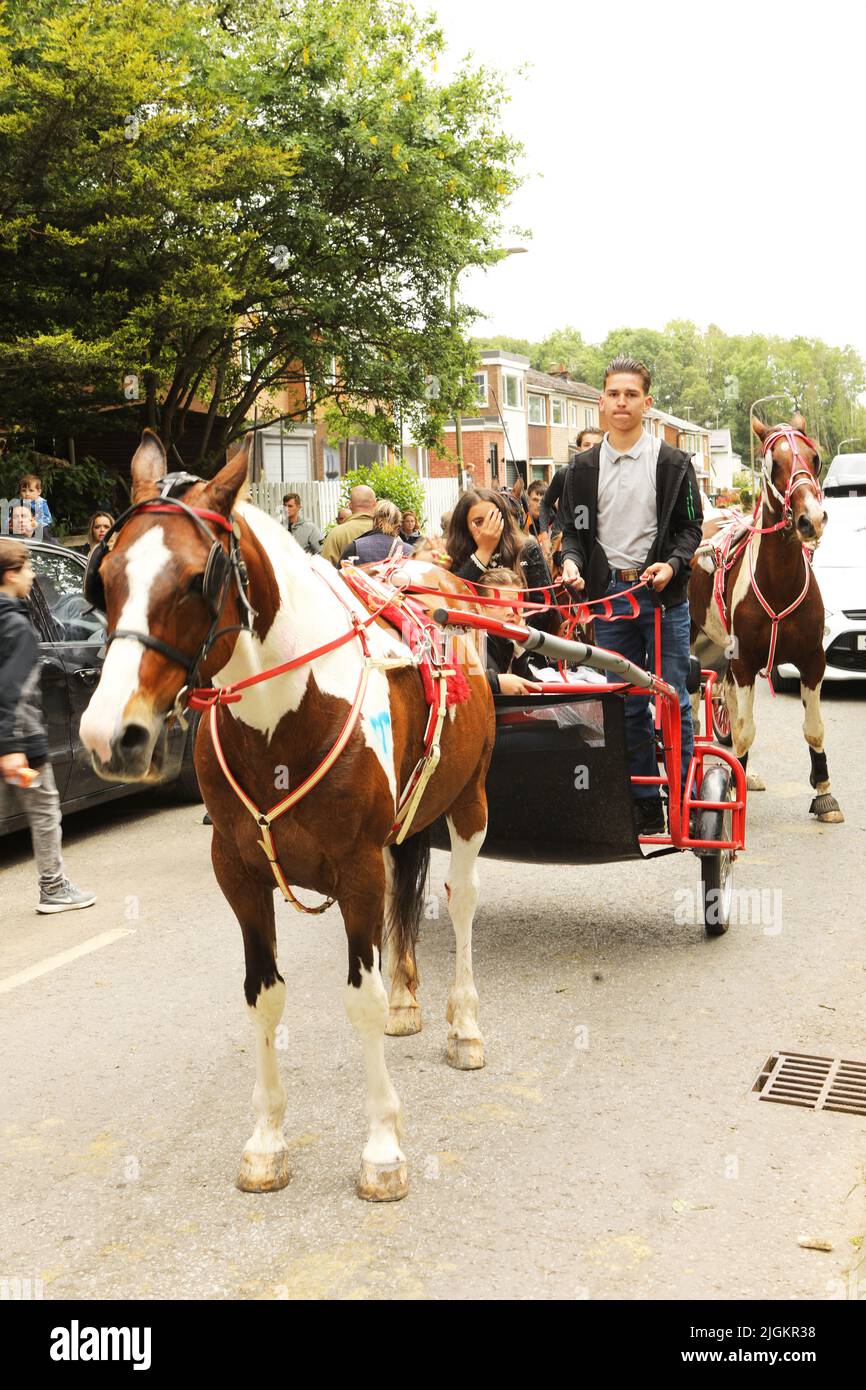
{"x": 717, "y": 890}
{"x": 716, "y": 865}
{"x": 722, "y": 721}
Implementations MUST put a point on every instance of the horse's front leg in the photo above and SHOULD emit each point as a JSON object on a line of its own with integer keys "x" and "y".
{"x": 465, "y": 1043}
{"x": 265, "y": 1161}
{"x": 384, "y": 1174}
{"x": 824, "y": 804}
{"x": 740, "y": 700}
{"x": 404, "y": 1011}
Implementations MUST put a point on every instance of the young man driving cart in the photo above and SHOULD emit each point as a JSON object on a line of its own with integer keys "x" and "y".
{"x": 631, "y": 515}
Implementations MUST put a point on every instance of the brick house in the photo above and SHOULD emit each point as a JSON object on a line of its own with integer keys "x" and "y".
{"x": 527, "y": 422}
{"x": 686, "y": 435}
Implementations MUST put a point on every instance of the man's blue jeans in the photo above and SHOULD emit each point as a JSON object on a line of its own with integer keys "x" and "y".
{"x": 635, "y": 639}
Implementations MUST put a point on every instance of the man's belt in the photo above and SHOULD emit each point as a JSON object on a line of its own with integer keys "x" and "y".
{"x": 628, "y": 576}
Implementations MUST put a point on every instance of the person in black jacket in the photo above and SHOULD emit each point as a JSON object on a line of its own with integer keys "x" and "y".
{"x": 483, "y": 535}
{"x": 549, "y": 514}
{"x": 23, "y": 739}
{"x": 631, "y": 512}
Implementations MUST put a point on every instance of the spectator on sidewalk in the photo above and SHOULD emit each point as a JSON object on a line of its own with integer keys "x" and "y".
{"x": 306, "y": 533}
{"x": 23, "y": 737}
{"x": 30, "y": 491}
{"x": 362, "y": 504}
{"x": 382, "y": 540}
{"x": 97, "y": 526}
{"x": 23, "y": 524}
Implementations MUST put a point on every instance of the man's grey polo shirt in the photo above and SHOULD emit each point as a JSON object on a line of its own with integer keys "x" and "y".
{"x": 627, "y": 520}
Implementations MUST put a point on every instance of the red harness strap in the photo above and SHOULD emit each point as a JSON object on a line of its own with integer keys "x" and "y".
{"x": 210, "y": 699}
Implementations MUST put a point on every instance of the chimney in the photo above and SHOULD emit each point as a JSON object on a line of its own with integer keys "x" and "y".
{"x": 559, "y": 369}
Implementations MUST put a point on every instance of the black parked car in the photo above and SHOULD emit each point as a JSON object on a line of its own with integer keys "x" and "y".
{"x": 71, "y": 652}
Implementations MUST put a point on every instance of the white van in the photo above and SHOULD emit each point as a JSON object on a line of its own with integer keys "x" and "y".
{"x": 840, "y": 569}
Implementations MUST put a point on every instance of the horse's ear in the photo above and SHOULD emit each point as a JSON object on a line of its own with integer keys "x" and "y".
{"x": 799, "y": 422}
{"x": 230, "y": 485}
{"x": 148, "y": 466}
{"x": 761, "y": 430}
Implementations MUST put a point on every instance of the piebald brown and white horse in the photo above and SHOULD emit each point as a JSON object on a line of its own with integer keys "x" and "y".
{"x": 757, "y": 598}
{"x": 361, "y": 716}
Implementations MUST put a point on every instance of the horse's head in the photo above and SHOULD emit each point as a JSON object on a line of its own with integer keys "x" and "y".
{"x": 791, "y": 467}
{"x": 170, "y": 581}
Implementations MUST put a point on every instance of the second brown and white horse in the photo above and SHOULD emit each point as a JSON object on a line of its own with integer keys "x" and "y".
{"x": 754, "y": 595}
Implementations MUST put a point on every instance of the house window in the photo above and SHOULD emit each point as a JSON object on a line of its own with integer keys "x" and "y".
{"x": 539, "y": 473}
{"x": 480, "y": 380}
{"x": 588, "y": 417}
{"x": 572, "y": 415}
{"x": 512, "y": 390}
{"x": 536, "y": 410}
{"x": 557, "y": 411}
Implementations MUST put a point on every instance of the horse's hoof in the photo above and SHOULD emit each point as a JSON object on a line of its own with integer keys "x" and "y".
{"x": 826, "y": 808}
{"x": 466, "y": 1054}
{"x": 755, "y": 783}
{"x": 832, "y": 818}
{"x": 383, "y": 1182}
{"x": 403, "y": 1021}
{"x": 264, "y": 1172}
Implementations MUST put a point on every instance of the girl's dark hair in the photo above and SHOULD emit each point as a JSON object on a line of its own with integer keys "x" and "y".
{"x": 460, "y": 542}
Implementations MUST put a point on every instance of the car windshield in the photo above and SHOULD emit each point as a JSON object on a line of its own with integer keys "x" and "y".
{"x": 60, "y": 577}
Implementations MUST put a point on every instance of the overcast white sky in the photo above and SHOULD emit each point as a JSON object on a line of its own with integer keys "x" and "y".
{"x": 684, "y": 160}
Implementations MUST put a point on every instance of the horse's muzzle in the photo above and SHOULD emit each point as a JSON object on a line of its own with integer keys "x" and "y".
{"x": 139, "y": 754}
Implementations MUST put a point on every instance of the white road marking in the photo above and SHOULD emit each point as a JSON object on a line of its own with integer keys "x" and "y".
{"x": 43, "y": 967}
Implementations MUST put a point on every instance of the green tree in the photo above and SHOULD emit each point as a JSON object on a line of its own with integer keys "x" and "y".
{"x": 226, "y": 197}
{"x": 392, "y": 480}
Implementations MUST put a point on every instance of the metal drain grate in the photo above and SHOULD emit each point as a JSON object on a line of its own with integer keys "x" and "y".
{"x": 819, "y": 1083}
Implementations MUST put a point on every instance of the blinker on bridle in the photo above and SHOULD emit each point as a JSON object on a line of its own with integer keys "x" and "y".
{"x": 221, "y": 570}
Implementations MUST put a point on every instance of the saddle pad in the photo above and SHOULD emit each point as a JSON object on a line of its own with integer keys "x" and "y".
{"x": 424, "y": 637}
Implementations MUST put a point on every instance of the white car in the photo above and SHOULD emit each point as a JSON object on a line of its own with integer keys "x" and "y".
{"x": 840, "y": 568}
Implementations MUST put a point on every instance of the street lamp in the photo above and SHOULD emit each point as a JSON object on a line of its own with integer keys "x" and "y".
{"x": 852, "y": 439}
{"x": 500, "y": 254}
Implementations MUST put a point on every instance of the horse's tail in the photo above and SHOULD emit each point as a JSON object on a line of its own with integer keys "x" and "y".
{"x": 411, "y": 862}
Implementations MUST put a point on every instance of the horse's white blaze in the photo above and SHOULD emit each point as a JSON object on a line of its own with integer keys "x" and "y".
{"x": 118, "y": 684}
{"x": 813, "y": 724}
{"x": 308, "y": 616}
{"x": 815, "y": 512}
{"x": 462, "y": 1011}
{"x": 367, "y": 1009}
{"x": 269, "y": 1097}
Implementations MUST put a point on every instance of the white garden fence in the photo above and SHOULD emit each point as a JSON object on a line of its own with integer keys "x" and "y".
{"x": 319, "y": 501}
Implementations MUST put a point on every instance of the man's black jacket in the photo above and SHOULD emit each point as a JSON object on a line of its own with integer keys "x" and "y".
{"x": 22, "y": 728}
{"x": 679, "y": 515}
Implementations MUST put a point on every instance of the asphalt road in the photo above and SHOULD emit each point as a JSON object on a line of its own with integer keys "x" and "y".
{"x": 611, "y": 1148}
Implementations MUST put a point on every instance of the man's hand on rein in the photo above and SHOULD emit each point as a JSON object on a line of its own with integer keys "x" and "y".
{"x": 658, "y": 575}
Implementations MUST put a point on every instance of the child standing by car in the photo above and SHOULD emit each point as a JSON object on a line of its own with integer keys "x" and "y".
{"x": 23, "y": 739}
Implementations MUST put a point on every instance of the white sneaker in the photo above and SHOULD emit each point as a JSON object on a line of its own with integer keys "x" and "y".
{"x": 64, "y": 897}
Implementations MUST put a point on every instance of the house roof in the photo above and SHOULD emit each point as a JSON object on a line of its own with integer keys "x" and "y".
{"x": 545, "y": 382}
{"x": 677, "y": 420}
